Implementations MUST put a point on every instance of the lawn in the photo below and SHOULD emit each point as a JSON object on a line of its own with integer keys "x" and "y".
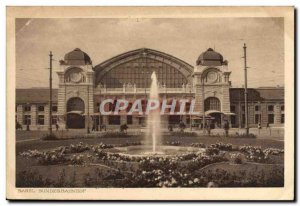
{"x": 96, "y": 170}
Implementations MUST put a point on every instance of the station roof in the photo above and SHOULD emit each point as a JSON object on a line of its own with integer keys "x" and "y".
{"x": 35, "y": 95}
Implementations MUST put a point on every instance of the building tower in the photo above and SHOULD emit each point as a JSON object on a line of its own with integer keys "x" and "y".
{"x": 75, "y": 91}
{"x": 211, "y": 82}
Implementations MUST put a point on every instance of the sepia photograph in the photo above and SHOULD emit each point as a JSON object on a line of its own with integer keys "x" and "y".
{"x": 161, "y": 102}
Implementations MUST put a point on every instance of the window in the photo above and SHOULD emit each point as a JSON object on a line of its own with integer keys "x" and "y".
{"x": 212, "y": 103}
{"x": 27, "y": 108}
{"x": 282, "y": 107}
{"x": 233, "y": 120}
{"x": 139, "y": 71}
{"x": 75, "y": 104}
{"x": 257, "y": 118}
{"x": 271, "y": 108}
{"x": 282, "y": 118}
{"x": 257, "y": 108}
{"x": 41, "y": 120}
{"x": 41, "y": 108}
{"x": 141, "y": 120}
{"x": 243, "y": 108}
{"x": 114, "y": 120}
{"x": 98, "y": 107}
{"x": 271, "y": 118}
{"x": 232, "y": 108}
{"x": 129, "y": 119}
{"x": 188, "y": 120}
{"x": 243, "y": 119}
{"x": 54, "y": 108}
{"x": 174, "y": 119}
{"x": 54, "y": 119}
{"x": 27, "y": 120}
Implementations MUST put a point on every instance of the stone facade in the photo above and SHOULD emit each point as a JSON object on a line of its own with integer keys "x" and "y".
{"x": 82, "y": 87}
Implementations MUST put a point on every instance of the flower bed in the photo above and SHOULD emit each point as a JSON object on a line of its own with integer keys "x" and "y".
{"x": 61, "y": 155}
{"x": 182, "y": 170}
{"x": 199, "y": 145}
{"x": 222, "y": 146}
{"x": 255, "y": 154}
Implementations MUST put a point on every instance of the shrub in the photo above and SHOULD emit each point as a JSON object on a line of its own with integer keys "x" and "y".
{"x": 114, "y": 135}
{"x": 173, "y": 143}
{"x": 184, "y": 134}
{"x": 237, "y": 135}
{"x": 50, "y": 137}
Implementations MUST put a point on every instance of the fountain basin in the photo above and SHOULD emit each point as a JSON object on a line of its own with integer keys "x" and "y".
{"x": 144, "y": 150}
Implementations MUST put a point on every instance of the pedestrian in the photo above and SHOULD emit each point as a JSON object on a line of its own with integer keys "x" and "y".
{"x": 209, "y": 128}
{"x": 57, "y": 126}
{"x": 259, "y": 126}
{"x": 226, "y": 128}
{"x": 268, "y": 127}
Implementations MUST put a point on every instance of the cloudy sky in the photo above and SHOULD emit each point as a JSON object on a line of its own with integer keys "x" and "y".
{"x": 183, "y": 38}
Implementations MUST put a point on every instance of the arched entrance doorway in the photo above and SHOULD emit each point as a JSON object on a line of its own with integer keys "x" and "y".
{"x": 212, "y": 107}
{"x": 75, "y": 111}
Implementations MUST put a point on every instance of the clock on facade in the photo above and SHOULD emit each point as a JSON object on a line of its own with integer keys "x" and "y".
{"x": 211, "y": 76}
{"x": 75, "y": 77}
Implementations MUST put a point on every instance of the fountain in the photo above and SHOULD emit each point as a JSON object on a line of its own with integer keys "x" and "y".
{"x": 153, "y": 134}
{"x": 153, "y": 137}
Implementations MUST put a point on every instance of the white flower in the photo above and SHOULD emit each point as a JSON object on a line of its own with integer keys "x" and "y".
{"x": 173, "y": 181}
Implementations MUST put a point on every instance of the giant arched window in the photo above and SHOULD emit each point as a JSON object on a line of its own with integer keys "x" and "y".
{"x": 139, "y": 72}
{"x": 75, "y": 104}
{"x": 212, "y": 103}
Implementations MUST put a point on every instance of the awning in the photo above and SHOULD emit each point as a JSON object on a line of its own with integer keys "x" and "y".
{"x": 75, "y": 112}
{"x": 207, "y": 117}
{"x": 213, "y": 111}
{"x": 230, "y": 113}
{"x": 218, "y": 112}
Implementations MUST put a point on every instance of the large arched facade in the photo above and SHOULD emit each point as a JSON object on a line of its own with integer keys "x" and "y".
{"x": 135, "y": 67}
{"x": 128, "y": 76}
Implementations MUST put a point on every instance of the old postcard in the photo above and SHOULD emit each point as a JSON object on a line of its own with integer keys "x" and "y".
{"x": 150, "y": 103}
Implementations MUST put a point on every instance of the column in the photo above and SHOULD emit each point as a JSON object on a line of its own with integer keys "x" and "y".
{"x": 20, "y": 114}
{"x": 277, "y": 114}
{"x": 46, "y": 117}
{"x": 123, "y": 119}
{"x": 199, "y": 99}
{"x": 264, "y": 114}
{"x": 33, "y": 113}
